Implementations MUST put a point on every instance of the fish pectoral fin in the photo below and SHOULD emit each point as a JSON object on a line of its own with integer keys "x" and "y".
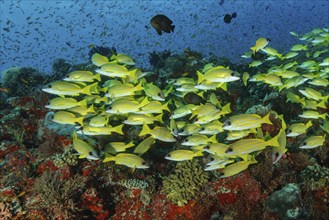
{"x": 172, "y": 28}
{"x": 159, "y": 31}
{"x": 83, "y": 156}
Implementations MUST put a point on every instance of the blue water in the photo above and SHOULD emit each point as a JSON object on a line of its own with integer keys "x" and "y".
{"x": 35, "y": 33}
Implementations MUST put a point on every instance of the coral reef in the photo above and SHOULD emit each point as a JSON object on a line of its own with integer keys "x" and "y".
{"x": 21, "y": 81}
{"x": 185, "y": 183}
{"x": 286, "y": 203}
{"x": 41, "y": 175}
{"x": 55, "y": 196}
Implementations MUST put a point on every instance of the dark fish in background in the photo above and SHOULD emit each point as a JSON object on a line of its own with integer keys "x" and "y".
{"x": 221, "y": 2}
{"x": 228, "y": 17}
{"x": 162, "y": 23}
{"x": 258, "y": 56}
{"x": 193, "y": 98}
{"x": 69, "y": 44}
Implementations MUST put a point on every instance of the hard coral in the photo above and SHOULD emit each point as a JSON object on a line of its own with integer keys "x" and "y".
{"x": 185, "y": 182}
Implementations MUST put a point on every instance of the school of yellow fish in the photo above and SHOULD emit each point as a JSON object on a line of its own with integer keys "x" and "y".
{"x": 117, "y": 94}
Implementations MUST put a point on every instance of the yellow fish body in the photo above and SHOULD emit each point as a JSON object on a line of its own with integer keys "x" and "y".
{"x": 84, "y": 149}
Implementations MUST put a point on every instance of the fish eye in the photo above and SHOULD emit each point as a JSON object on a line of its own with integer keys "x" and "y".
{"x": 221, "y": 174}
{"x": 90, "y": 153}
{"x": 304, "y": 143}
{"x": 276, "y": 154}
{"x": 207, "y": 147}
{"x": 196, "y": 119}
{"x": 186, "y": 140}
{"x": 201, "y": 129}
{"x": 110, "y": 107}
{"x": 49, "y": 86}
{"x": 144, "y": 163}
{"x": 289, "y": 131}
{"x": 212, "y": 159}
{"x": 168, "y": 155}
{"x": 181, "y": 130}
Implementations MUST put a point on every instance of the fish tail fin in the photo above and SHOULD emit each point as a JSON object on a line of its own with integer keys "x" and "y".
{"x": 80, "y": 121}
{"x": 132, "y": 73}
{"x": 325, "y": 99}
{"x": 91, "y": 109}
{"x": 213, "y": 139}
{"x": 200, "y": 77}
{"x": 108, "y": 158}
{"x": 309, "y": 124}
{"x": 94, "y": 88}
{"x": 159, "y": 118}
{"x": 281, "y": 87}
{"x": 198, "y": 153}
{"x": 266, "y": 119}
{"x": 172, "y": 28}
{"x": 322, "y": 104}
{"x": 194, "y": 113}
{"x": 244, "y": 157}
{"x": 144, "y": 102}
{"x": 323, "y": 116}
{"x": 165, "y": 106}
{"x": 223, "y": 86}
{"x": 274, "y": 142}
{"x": 226, "y": 109}
{"x": 118, "y": 129}
{"x": 87, "y": 90}
{"x": 113, "y": 57}
{"x": 145, "y": 130}
{"x": 302, "y": 101}
{"x": 98, "y": 77}
{"x": 253, "y": 160}
{"x": 83, "y": 103}
{"x": 138, "y": 87}
{"x": 253, "y": 50}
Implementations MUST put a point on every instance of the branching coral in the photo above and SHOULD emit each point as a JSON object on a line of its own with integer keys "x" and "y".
{"x": 57, "y": 197}
{"x": 185, "y": 182}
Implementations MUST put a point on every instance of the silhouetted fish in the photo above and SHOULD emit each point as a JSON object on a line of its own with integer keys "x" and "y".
{"x": 162, "y": 23}
{"x": 228, "y": 17}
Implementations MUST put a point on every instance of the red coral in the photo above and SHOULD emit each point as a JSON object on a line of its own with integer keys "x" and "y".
{"x": 16, "y": 160}
{"x": 239, "y": 194}
{"x": 131, "y": 208}
{"x": 163, "y": 209}
{"x": 45, "y": 166}
{"x": 92, "y": 201}
{"x": 9, "y": 149}
{"x": 87, "y": 168}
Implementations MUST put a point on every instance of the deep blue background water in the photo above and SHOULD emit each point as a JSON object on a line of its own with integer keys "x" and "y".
{"x": 34, "y": 33}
